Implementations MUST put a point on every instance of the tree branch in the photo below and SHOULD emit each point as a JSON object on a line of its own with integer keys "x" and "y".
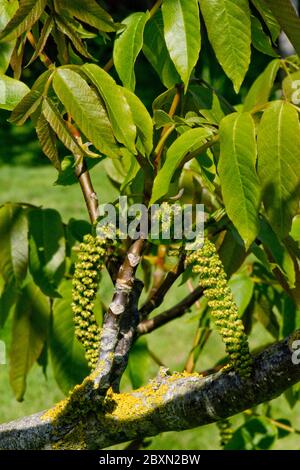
{"x": 168, "y": 403}
{"x": 146, "y": 326}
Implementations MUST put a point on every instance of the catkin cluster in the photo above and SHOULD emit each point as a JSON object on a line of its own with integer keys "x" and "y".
{"x": 208, "y": 265}
{"x": 85, "y": 286}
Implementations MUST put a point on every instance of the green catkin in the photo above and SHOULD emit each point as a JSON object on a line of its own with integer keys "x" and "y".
{"x": 225, "y": 431}
{"x": 207, "y": 264}
{"x": 85, "y": 285}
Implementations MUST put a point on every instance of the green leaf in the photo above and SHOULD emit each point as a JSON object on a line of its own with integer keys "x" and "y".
{"x": 118, "y": 109}
{"x": 127, "y": 47}
{"x": 142, "y": 121}
{"x": 236, "y": 168}
{"x": 31, "y": 101}
{"x": 139, "y": 363}
{"x": 260, "y": 39}
{"x": 47, "y": 139}
{"x": 67, "y": 354}
{"x": 279, "y": 253}
{"x": 44, "y": 35}
{"x": 295, "y": 230}
{"x": 242, "y": 287}
{"x": 87, "y": 110}
{"x": 232, "y": 252}
{"x": 27, "y": 14}
{"x": 7, "y": 11}
{"x": 67, "y": 175}
{"x": 11, "y": 92}
{"x": 207, "y": 103}
{"x": 8, "y": 297}
{"x": 13, "y": 243}
{"x": 161, "y": 119}
{"x": 288, "y": 19}
{"x": 66, "y": 28}
{"x": 229, "y": 31}
{"x": 256, "y": 434}
{"x": 156, "y": 52}
{"x": 268, "y": 18}
{"x": 187, "y": 142}
{"x": 279, "y": 164}
{"x": 182, "y": 34}
{"x": 46, "y": 249}
{"x": 260, "y": 91}
{"x": 59, "y": 126}
{"x": 29, "y": 332}
{"x": 89, "y": 12}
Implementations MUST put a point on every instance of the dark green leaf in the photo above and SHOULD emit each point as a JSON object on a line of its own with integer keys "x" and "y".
{"x": 236, "y": 168}
{"x": 27, "y": 14}
{"x": 29, "y": 331}
{"x": 268, "y": 18}
{"x": 256, "y": 434}
{"x": 46, "y": 249}
{"x": 85, "y": 107}
{"x": 67, "y": 354}
{"x": 156, "y": 51}
{"x": 182, "y": 34}
{"x": 278, "y": 143}
{"x": 229, "y": 31}
{"x": 127, "y": 47}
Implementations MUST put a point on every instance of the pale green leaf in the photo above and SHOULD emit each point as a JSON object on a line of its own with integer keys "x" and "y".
{"x": 7, "y": 11}
{"x": 184, "y": 144}
{"x": 288, "y": 19}
{"x": 156, "y": 52}
{"x": 87, "y": 110}
{"x": 236, "y": 168}
{"x": 260, "y": 91}
{"x": 142, "y": 121}
{"x": 118, "y": 108}
{"x": 127, "y": 47}
{"x": 29, "y": 332}
{"x": 27, "y": 14}
{"x": 67, "y": 354}
{"x": 11, "y": 92}
{"x": 279, "y": 164}
{"x": 182, "y": 34}
{"x": 89, "y": 12}
{"x": 229, "y": 31}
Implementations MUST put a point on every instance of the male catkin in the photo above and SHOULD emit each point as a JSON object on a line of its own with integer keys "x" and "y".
{"x": 85, "y": 285}
{"x": 207, "y": 264}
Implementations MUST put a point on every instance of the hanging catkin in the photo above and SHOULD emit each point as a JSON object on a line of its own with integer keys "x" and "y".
{"x": 207, "y": 264}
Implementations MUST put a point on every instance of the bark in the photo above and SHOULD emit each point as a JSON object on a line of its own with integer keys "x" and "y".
{"x": 168, "y": 403}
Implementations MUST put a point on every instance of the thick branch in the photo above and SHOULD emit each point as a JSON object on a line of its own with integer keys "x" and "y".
{"x": 146, "y": 326}
{"x": 169, "y": 403}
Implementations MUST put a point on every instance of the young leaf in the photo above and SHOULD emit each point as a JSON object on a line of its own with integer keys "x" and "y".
{"x": 187, "y": 142}
{"x": 288, "y": 19}
{"x": 13, "y": 243}
{"x": 236, "y": 168}
{"x": 229, "y": 31}
{"x": 89, "y": 12}
{"x": 11, "y": 92}
{"x": 31, "y": 101}
{"x": 268, "y": 18}
{"x": 142, "y": 121}
{"x": 260, "y": 91}
{"x": 59, "y": 126}
{"x": 46, "y": 249}
{"x": 119, "y": 111}
{"x": 127, "y": 47}
{"x": 260, "y": 39}
{"x": 279, "y": 164}
{"x": 67, "y": 354}
{"x": 47, "y": 139}
{"x": 87, "y": 110}
{"x": 27, "y": 14}
{"x": 29, "y": 331}
{"x": 156, "y": 52}
{"x": 182, "y": 34}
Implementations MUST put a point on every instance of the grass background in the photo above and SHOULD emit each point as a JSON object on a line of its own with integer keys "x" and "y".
{"x": 171, "y": 343}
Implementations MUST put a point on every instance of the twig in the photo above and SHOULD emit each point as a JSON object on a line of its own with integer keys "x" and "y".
{"x": 147, "y": 326}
